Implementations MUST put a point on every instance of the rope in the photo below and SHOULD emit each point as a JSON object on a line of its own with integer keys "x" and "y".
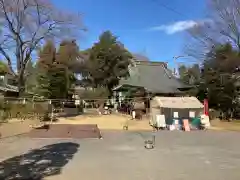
{"x": 69, "y": 100}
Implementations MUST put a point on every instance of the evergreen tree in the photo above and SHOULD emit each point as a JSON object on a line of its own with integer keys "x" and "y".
{"x": 55, "y": 78}
{"x": 58, "y": 81}
{"x": 3, "y": 68}
{"x": 220, "y": 77}
{"x": 46, "y": 59}
{"x": 108, "y": 62}
{"x": 68, "y": 52}
{"x": 67, "y": 56}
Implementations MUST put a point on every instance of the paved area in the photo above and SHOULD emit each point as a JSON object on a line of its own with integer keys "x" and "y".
{"x": 121, "y": 155}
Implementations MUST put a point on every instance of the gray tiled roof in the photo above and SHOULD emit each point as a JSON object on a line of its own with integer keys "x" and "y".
{"x": 2, "y": 88}
{"x": 7, "y": 87}
{"x": 154, "y": 77}
{"x": 140, "y": 57}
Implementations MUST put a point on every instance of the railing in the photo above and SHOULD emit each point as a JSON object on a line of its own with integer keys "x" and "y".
{"x": 47, "y": 109}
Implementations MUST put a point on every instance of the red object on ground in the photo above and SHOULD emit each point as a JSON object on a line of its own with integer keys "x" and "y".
{"x": 186, "y": 125}
{"x": 206, "y": 107}
{"x": 66, "y": 131}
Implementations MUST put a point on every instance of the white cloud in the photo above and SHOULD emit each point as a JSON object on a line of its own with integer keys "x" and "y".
{"x": 176, "y": 27}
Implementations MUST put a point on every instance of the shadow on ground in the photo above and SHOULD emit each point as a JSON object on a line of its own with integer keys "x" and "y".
{"x": 38, "y": 163}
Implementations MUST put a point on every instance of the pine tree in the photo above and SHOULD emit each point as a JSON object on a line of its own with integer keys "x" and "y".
{"x": 54, "y": 76}
{"x": 108, "y": 62}
{"x": 67, "y": 55}
{"x": 219, "y": 71}
{"x": 58, "y": 81}
{"x": 47, "y": 57}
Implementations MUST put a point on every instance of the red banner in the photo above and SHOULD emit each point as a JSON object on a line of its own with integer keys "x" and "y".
{"x": 206, "y": 107}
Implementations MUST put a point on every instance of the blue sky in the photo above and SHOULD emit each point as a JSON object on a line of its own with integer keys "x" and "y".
{"x": 144, "y": 26}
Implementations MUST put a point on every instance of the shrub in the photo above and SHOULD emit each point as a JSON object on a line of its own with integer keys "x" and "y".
{"x": 42, "y": 110}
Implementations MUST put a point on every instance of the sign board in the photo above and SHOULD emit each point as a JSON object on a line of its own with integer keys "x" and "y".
{"x": 192, "y": 114}
{"x": 77, "y": 102}
{"x": 175, "y": 114}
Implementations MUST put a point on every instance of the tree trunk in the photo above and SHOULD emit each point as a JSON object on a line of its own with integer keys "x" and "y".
{"x": 110, "y": 91}
{"x": 21, "y": 84}
{"x": 21, "y": 65}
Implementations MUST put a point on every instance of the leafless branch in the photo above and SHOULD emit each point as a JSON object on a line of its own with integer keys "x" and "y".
{"x": 223, "y": 27}
{"x": 27, "y": 23}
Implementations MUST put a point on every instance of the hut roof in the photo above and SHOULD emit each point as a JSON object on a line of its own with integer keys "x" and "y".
{"x": 178, "y": 102}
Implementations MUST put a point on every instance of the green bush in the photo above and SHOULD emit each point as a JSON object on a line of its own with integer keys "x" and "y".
{"x": 46, "y": 117}
{"x": 30, "y": 110}
{"x": 3, "y": 117}
{"x": 41, "y": 110}
{"x": 21, "y": 111}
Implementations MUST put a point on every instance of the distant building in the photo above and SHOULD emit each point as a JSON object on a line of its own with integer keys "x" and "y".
{"x": 153, "y": 77}
{"x": 140, "y": 57}
{"x": 7, "y": 89}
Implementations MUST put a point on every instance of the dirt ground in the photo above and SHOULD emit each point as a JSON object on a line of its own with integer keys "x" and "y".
{"x": 16, "y": 127}
{"x": 104, "y": 122}
{"x": 68, "y": 131}
{"x": 108, "y": 122}
{"x": 225, "y": 125}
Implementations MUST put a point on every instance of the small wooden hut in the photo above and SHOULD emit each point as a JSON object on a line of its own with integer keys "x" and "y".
{"x": 184, "y": 107}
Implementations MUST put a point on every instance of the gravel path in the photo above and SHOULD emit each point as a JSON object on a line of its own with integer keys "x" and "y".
{"x": 210, "y": 155}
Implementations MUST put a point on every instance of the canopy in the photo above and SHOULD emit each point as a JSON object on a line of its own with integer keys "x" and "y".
{"x": 178, "y": 102}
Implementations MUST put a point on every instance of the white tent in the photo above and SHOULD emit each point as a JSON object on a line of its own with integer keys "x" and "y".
{"x": 168, "y": 105}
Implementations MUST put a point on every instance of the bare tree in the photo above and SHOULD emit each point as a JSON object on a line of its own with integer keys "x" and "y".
{"x": 221, "y": 26}
{"x": 25, "y": 25}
